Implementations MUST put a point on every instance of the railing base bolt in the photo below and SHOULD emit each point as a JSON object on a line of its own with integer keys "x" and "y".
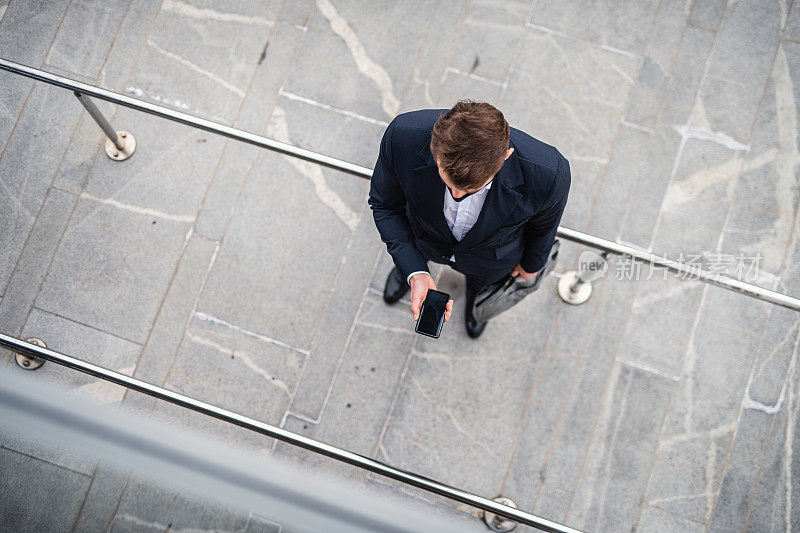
{"x": 499, "y": 523}
{"x": 128, "y": 141}
{"x": 31, "y": 363}
{"x": 572, "y": 290}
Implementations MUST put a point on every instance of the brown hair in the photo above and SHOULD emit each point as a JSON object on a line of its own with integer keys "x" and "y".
{"x": 470, "y": 142}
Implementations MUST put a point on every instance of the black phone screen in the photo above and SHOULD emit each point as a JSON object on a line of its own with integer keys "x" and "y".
{"x": 431, "y": 317}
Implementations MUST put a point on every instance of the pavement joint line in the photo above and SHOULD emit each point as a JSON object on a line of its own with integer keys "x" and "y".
{"x": 300, "y": 416}
{"x": 398, "y": 387}
{"x": 328, "y": 107}
{"x": 194, "y": 309}
{"x": 116, "y": 335}
{"x": 403, "y": 488}
{"x": 84, "y": 474}
{"x": 529, "y": 18}
{"x": 339, "y": 361}
{"x": 264, "y": 338}
{"x": 705, "y": 288}
{"x": 646, "y": 368}
{"x": 513, "y": 63}
{"x": 688, "y": 384}
{"x": 384, "y": 328}
{"x": 377, "y": 292}
{"x": 287, "y": 69}
{"x": 679, "y": 154}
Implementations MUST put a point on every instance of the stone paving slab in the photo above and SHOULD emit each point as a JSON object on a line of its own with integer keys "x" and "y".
{"x": 26, "y": 31}
{"x": 27, "y": 170}
{"x": 660, "y": 405}
{"x": 622, "y": 25}
{"x": 71, "y": 50}
{"x": 86, "y": 343}
{"x": 62, "y": 489}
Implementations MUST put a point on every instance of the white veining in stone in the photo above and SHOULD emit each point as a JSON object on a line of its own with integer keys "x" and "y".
{"x": 209, "y": 318}
{"x": 187, "y": 10}
{"x": 690, "y": 132}
{"x": 471, "y": 76}
{"x": 747, "y": 401}
{"x": 207, "y": 73}
{"x": 646, "y": 368}
{"x": 365, "y": 64}
{"x": 456, "y": 424}
{"x": 314, "y": 173}
{"x": 328, "y": 107}
{"x": 139, "y": 210}
{"x": 649, "y": 297}
{"x": 712, "y": 433}
{"x": 635, "y": 126}
{"x": 244, "y": 357}
{"x": 689, "y": 189}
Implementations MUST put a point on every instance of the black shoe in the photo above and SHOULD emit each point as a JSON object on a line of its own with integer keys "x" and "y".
{"x": 396, "y": 287}
{"x": 474, "y": 328}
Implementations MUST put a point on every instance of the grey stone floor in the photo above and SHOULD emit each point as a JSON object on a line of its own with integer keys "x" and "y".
{"x": 253, "y": 281}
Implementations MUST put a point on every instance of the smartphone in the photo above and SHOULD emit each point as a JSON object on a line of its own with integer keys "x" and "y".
{"x": 431, "y": 317}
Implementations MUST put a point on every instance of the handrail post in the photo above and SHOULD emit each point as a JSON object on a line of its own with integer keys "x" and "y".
{"x": 120, "y": 145}
{"x": 575, "y": 286}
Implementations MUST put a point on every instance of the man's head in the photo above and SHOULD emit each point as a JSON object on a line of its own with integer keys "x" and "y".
{"x": 470, "y": 144}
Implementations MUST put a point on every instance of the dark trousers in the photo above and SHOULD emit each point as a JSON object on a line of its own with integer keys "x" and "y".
{"x": 473, "y": 284}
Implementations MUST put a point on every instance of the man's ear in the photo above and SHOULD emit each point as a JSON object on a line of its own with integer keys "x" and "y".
{"x": 509, "y": 152}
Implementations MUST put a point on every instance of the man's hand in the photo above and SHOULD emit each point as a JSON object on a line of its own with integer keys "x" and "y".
{"x": 420, "y": 283}
{"x": 519, "y": 271}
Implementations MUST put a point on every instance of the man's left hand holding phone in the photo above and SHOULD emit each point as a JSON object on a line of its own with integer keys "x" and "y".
{"x": 421, "y": 283}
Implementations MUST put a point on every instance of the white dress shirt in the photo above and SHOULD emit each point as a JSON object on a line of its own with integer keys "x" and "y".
{"x": 461, "y": 216}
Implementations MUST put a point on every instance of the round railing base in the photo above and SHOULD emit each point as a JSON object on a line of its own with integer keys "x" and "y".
{"x": 129, "y": 146}
{"x": 31, "y": 363}
{"x": 499, "y": 523}
{"x": 571, "y": 291}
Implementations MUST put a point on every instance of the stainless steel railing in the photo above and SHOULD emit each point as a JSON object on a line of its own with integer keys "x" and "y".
{"x": 360, "y": 461}
{"x": 82, "y": 90}
{"x": 85, "y": 89}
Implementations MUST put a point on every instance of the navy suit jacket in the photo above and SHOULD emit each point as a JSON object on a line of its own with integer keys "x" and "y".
{"x": 517, "y": 223}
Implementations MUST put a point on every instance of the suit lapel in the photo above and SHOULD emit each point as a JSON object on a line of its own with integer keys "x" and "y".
{"x": 428, "y": 190}
{"x": 500, "y": 201}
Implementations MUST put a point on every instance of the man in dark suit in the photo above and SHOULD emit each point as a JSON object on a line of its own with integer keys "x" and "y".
{"x": 462, "y": 188}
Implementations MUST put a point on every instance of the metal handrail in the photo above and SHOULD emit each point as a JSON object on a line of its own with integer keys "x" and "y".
{"x": 366, "y": 463}
{"x": 726, "y": 282}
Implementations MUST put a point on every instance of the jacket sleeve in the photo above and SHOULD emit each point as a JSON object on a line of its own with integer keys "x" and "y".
{"x": 388, "y": 204}
{"x": 540, "y": 230}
